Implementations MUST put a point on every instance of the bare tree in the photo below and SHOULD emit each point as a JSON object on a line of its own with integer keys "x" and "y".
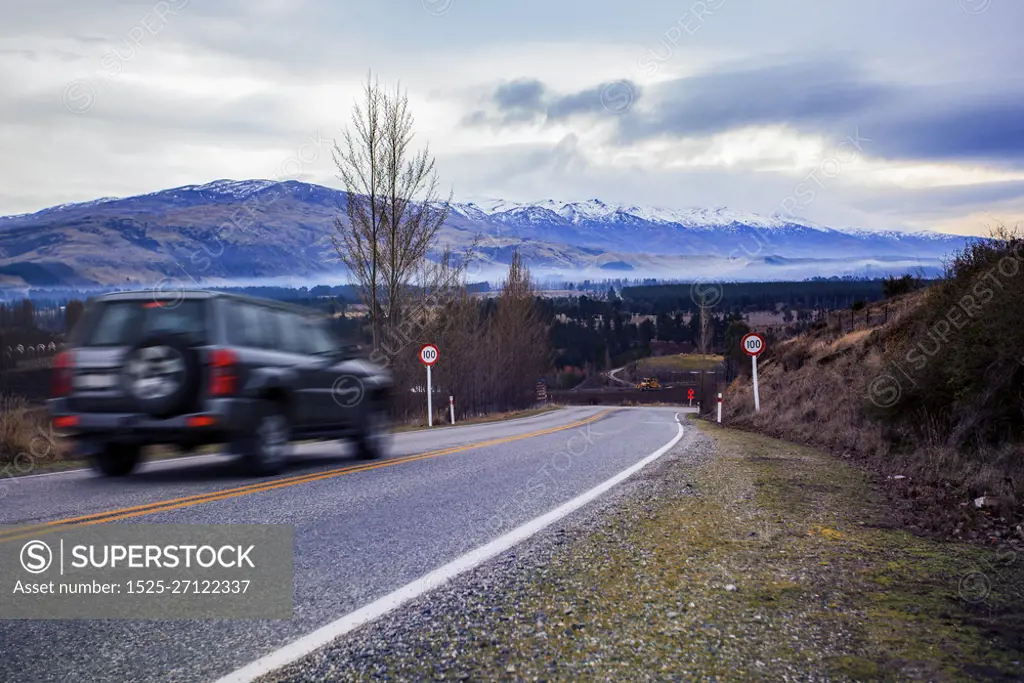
{"x": 394, "y": 213}
{"x": 360, "y": 168}
{"x": 413, "y": 214}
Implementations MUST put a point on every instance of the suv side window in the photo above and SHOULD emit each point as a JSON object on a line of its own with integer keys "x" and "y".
{"x": 251, "y": 325}
{"x": 292, "y": 330}
{"x": 320, "y": 341}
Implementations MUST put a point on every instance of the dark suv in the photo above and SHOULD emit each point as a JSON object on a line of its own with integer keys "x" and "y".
{"x": 208, "y": 367}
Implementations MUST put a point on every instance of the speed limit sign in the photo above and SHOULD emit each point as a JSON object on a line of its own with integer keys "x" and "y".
{"x": 752, "y": 344}
{"x": 428, "y": 354}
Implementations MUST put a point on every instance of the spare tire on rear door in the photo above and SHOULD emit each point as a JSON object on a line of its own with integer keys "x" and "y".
{"x": 162, "y": 373}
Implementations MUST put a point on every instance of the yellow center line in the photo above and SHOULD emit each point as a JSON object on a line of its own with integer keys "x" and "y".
{"x": 188, "y": 501}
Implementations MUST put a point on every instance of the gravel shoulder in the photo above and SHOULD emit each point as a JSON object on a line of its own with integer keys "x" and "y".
{"x": 735, "y": 557}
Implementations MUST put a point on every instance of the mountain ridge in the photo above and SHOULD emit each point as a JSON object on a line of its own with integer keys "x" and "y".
{"x": 574, "y": 211}
{"x": 263, "y": 228}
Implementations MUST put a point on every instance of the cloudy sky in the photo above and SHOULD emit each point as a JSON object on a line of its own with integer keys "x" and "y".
{"x": 871, "y": 114}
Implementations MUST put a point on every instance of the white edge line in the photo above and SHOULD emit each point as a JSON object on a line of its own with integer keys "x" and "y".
{"x": 374, "y": 610}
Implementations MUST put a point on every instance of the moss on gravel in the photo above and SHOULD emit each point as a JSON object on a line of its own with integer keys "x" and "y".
{"x": 768, "y": 561}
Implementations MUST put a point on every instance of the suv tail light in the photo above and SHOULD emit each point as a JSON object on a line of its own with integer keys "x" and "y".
{"x": 63, "y": 369}
{"x": 223, "y": 372}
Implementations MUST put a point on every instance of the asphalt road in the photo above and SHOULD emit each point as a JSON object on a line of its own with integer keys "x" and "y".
{"x": 358, "y": 535}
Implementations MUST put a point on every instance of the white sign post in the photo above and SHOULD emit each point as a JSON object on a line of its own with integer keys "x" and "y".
{"x": 757, "y": 392}
{"x": 428, "y": 356}
{"x": 451, "y": 404}
{"x": 719, "y": 408}
{"x": 753, "y": 346}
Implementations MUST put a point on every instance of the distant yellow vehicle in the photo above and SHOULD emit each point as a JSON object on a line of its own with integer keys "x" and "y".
{"x": 648, "y": 383}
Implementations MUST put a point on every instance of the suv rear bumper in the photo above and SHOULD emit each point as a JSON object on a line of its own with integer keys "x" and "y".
{"x": 222, "y": 419}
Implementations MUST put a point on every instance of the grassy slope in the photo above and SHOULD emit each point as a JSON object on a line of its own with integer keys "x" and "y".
{"x": 680, "y": 363}
{"x": 816, "y": 389}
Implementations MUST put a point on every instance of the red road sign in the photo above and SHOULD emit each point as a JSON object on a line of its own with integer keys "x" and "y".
{"x": 752, "y": 344}
{"x": 428, "y": 354}
{"x": 689, "y": 394}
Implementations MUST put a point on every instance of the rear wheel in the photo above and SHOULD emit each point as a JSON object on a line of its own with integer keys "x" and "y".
{"x": 116, "y": 460}
{"x": 374, "y": 439}
{"x": 267, "y": 447}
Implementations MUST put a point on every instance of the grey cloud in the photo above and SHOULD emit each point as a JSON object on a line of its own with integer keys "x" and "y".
{"x": 819, "y": 94}
{"x": 964, "y": 129}
{"x": 953, "y": 122}
{"x": 526, "y": 94}
{"x": 530, "y": 100}
{"x": 519, "y": 101}
{"x": 600, "y": 100}
{"x": 903, "y": 121}
{"x": 938, "y": 200}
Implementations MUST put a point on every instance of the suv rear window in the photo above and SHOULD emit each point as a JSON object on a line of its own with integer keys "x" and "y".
{"x": 123, "y": 323}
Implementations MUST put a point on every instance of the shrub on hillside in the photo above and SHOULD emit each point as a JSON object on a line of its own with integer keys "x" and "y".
{"x": 897, "y": 286}
{"x": 17, "y": 428}
{"x": 955, "y": 367}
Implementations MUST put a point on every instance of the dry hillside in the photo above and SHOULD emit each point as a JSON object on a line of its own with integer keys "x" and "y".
{"x": 942, "y": 430}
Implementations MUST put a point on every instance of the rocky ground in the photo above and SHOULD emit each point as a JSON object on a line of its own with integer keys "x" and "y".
{"x": 735, "y": 557}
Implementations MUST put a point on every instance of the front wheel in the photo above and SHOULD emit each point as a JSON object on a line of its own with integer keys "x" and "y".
{"x": 374, "y": 439}
{"x": 266, "y": 448}
{"x": 116, "y": 460}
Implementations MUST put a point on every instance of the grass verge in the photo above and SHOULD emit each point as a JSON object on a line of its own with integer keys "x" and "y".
{"x": 821, "y": 549}
{"x": 27, "y": 443}
{"x": 682, "y": 362}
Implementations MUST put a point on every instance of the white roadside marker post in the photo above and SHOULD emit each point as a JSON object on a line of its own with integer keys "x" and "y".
{"x": 719, "y": 408}
{"x": 757, "y": 394}
{"x": 428, "y": 356}
{"x": 451, "y": 405}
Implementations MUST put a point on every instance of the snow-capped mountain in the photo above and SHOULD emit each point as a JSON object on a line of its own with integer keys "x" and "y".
{"x": 594, "y": 210}
{"x": 696, "y": 231}
{"x": 262, "y": 228}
